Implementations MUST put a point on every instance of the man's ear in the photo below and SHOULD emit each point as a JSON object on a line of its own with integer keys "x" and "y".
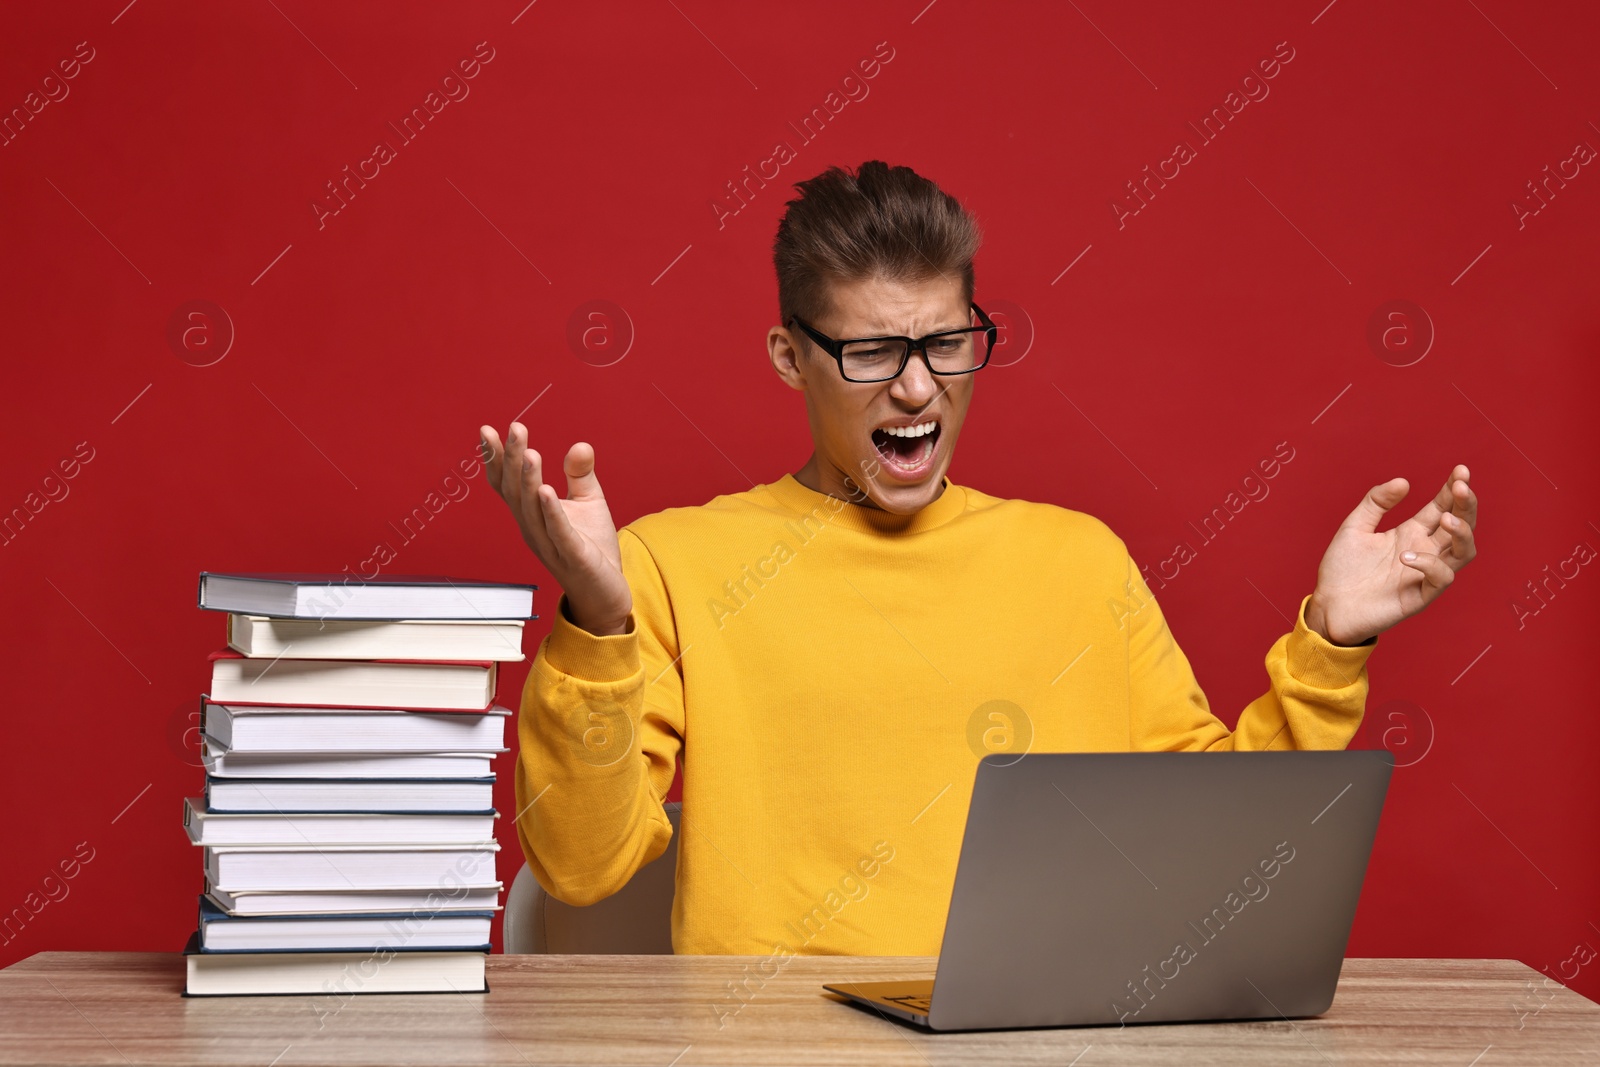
{"x": 785, "y": 357}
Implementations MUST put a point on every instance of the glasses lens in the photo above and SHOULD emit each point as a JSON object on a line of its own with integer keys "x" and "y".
{"x": 956, "y": 352}
{"x": 867, "y": 361}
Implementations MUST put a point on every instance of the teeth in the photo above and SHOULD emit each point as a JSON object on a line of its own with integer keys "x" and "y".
{"x": 919, "y": 430}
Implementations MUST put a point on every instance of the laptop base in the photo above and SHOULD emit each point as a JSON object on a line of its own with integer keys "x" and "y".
{"x": 904, "y": 1000}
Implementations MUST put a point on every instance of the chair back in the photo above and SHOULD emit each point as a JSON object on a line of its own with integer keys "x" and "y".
{"x": 636, "y": 919}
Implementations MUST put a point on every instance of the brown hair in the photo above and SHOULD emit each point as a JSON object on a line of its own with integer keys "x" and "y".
{"x": 880, "y": 221}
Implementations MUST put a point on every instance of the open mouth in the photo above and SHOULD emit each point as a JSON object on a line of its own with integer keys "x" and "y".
{"x": 907, "y": 450}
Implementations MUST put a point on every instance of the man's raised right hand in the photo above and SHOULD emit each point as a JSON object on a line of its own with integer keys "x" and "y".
{"x": 574, "y": 538}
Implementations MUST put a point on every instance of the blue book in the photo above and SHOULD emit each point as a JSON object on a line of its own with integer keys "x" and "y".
{"x": 395, "y": 931}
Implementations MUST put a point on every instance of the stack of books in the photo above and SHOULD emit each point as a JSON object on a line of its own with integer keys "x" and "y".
{"x": 347, "y": 825}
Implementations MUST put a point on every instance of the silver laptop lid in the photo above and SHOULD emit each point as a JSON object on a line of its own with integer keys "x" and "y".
{"x": 1107, "y": 888}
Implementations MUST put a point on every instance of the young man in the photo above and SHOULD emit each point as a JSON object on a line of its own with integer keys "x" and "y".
{"x": 831, "y": 653}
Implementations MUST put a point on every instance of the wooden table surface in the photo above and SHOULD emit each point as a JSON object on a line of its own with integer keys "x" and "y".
{"x": 125, "y": 1007}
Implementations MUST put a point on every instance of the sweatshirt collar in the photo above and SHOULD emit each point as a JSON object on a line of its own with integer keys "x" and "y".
{"x": 798, "y": 498}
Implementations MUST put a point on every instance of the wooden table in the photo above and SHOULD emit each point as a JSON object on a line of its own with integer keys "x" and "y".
{"x": 125, "y": 1007}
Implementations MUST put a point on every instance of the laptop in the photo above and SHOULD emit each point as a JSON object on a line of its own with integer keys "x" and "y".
{"x": 1112, "y": 889}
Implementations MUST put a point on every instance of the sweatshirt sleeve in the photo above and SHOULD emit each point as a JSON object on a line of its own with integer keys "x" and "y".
{"x": 1316, "y": 695}
{"x": 598, "y": 732}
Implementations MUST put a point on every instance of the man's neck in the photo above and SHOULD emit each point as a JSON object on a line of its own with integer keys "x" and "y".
{"x": 823, "y": 477}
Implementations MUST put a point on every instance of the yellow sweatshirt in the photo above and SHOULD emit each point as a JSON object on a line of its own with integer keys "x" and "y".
{"x": 830, "y": 675}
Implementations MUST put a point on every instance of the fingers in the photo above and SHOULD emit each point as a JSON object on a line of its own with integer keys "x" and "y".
{"x": 558, "y": 529}
{"x": 1465, "y": 500}
{"x": 515, "y": 473}
{"x": 516, "y": 452}
{"x": 1376, "y": 504}
{"x": 529, "y": 475}
{"x": 579, "y": 469}
{"x": 1450, "y": 499}
{"x": 493, "y": 455}
{"x": 1435, "y": 571}
{"x": 522, "y": 472}
{"x": 1463, "y": 542}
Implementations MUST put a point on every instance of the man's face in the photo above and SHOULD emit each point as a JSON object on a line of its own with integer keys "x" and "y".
{"x": 861, "y": 430}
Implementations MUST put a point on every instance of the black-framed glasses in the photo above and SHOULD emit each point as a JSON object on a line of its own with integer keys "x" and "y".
{"x": 880, "y": 359}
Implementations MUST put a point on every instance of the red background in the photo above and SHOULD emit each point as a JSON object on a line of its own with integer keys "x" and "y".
{"x": 1230, "y": 314}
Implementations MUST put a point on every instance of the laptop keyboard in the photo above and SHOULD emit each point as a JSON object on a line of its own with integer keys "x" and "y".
{"x": 915, "y": 1001}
